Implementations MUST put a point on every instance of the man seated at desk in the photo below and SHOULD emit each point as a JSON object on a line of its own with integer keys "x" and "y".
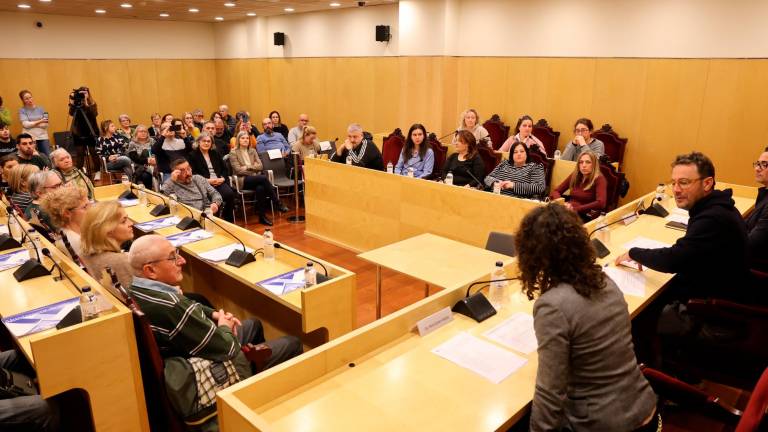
{"x": 24, "y": 413}
{"x": 360, "y": 150}
{"x": 191, "y": 189}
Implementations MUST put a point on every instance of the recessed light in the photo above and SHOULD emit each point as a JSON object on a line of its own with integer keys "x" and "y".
{"x": 165, "y": 15}
{"x": 289, "y": 9}
{"x": 100, "y": 11}
{"x": 251, "y": 14}
{"x": 334, "y": 4}
{"x": 126, "y": 5}
{"x": 194, "y": 10}
{"x": 44, "y": 1}
{"x": 24, "y": 6}
{"x": 230, "y": 4}
{"x": 219, "y": 18}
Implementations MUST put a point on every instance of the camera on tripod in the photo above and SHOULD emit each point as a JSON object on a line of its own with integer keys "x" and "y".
{"x": 78, "y": 96}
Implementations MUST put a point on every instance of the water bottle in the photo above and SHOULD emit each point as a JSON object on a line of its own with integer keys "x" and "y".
{"x": 449, "y": 178}
{"x": 349, "y": 159}
{"x": 14, "y": 229}
{"x": 125, "y": 181}
{"x": 173, "y": 203}
{"x": 30, "y": 244}
{"x": 497, "y": 289}
{"x": 410, "y": 172}
{"x": 661, "y": 193}
{"x": 269, "y": 245}
{"x": 557, "y": 154}
{"x": 603, "y": 233}
{"x": 208, "y": 212}
{"x": 310, "y": 275}
{"x": 390, "y": 168}
{"x": 88, "y": 306}
{"x": 143, "y": 195}
{"x": 497, "y": 187}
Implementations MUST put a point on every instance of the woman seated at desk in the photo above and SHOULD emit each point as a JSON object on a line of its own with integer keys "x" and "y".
{"x": 587, "y": 378}
{"x": 519, "y": 178}
{"x": 66, "y": 207}
{"x": 416, "y": 154}
{"x": 18, "y": 179}
{"x": 106, "y": 229}
{"x": 523, "y": 134}
{"x": 589, "y": 189}
{"x": 582, "y": 141}
{"x": 470, "y": 121}
{"x": 307, "y": 145}
{"x": 466, "y": 165}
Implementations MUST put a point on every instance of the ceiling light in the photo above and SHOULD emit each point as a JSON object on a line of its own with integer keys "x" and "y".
{"x": 165, "y": 14}
{"x": 100, "y": 11}
{"x": 230, "y": 4}
{"x": 45, "y": 1}
{"x": 334, "y": 4}
{"x": 126, "y": 5}
{"x": 24, "y": 6}
{"x": 251, "y": 14}
{"x": 194, "y": 10}
{"x": 289, "y": 9}
{"x": 219, "y": 18}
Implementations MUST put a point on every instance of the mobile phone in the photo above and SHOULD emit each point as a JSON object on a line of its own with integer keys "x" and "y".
{"x": 676, "y": 225}
{"x": 176, "y": 128}
{"x": 45, "y": 116}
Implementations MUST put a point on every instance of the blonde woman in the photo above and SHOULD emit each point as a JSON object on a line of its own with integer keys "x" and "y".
{"x": 125, "y": 128}
{"x": 66, "y": 207}
{"x": 307, "y": 143}
{"x": 189, "y": 124}
{"x": 105, "y": 229}
{"x": 470, "y": 121}
{"x": 589, "y": 189}
{"x": 18, "y": 180}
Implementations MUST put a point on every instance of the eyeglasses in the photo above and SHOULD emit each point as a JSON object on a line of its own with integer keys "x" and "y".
{"x": 581, "y": 130}
{"x": 173, "y": 257}
{"x": 761, "y": 164}
{"x": 683, "y": 183}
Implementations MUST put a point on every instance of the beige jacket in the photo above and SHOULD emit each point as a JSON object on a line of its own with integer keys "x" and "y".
{"x": 241, "y": 168}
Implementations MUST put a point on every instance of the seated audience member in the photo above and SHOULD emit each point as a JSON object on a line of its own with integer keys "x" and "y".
{"x": 470, "y": 121}
{"x": 222, "y": 136}
{"x": 5, "y": 114}
{"x": 140, "y": 152}
{"x": 757, "y": 222}
{"x": 587, "y": 377}
{"x": 216, "y": 115}
{"x": 26, "y": 413}
{"x": 189, "y": 125}
{"x": 191, "y": 189}
{"x": 40, "y": 184}
{"x": 416, "y": 154}
{"x": 125, "y": 128}
{"x": 243, "y": 126}
{"x": 523, "y": 134}
{"x": 295, "y": 133}
{"x": 7, "y": 143}
{"x": 466, "y": 164}
{"x": 229, "y": 121}
{"x": 247, "y": 166}
{"x": 105, "y": 234}
{"x": 34, "y": 121}
{"x": 167, "y": 118}
{"x": 360, "y": 150}
{"x": 270, "y": 140}
{"x": 588, "y": 188}
{"x": 307, "y": 144}
{"x": 186, "y": 328}
{"x": 582, "y": 141}
{"x": 207, "y": 162}
{"x": 66, "y": 207}
{"x": 520, "y": 177}
{"x": 155, "y": 121}
{"x": 113, "y": 147}
{"x": 7, "y": 163}
{"x": 198, "y": 118}
{"x": 168, "y": 148}
{"x": 18, "y": 180}
{"x": 65, "y": 168}
{"x": 278, "y": 126}
{"x": 27, "y": 153}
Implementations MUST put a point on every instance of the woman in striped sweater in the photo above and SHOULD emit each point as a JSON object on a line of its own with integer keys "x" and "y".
{"x": 518, "y": 177}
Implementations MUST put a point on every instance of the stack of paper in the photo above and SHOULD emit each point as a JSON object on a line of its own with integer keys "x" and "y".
{"x": 39, "y": 319}
{"x": 645, "y": 243}
{"x": 515, "y": 332}
{"x": 630, "y": 282}
{"x": 284, "y": 283}
{"x": 185, "y": 237}
{"x": 222, "y": 253}
{"x": 129, "y": 202}
{"x": 13, "y": 259}
{"x": 481, "y": 357}
{"x": 158, "y": 223}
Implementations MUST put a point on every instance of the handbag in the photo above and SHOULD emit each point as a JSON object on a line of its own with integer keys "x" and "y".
{"x": 192, "y": 384}
{"x": 14, "y": 384}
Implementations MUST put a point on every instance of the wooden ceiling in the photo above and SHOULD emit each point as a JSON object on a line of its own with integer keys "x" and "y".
{"x": 178, "y": 10}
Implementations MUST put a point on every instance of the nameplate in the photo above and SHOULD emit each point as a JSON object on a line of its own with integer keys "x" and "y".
{"x": 630, "y": 220}
{"x": 434, "y": 321}
{"x": 325, "y": 145}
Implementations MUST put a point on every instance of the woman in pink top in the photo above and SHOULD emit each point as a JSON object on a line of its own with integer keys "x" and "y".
{"x": 523, "y": 134}
{"x": 589, "y": 189}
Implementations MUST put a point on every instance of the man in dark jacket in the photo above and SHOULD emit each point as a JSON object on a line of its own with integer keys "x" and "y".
{"x": 757, "y": 222}
{"x": 360, "y": 150}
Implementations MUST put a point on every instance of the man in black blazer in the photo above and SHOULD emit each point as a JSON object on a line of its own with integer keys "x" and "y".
{"x": 757, "y": 221}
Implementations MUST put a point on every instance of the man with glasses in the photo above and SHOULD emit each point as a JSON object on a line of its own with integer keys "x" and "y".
{"x": 40, "y": 184}
{"x": 295, "y": 133}
{"x": 191, "y": 189}
{"x": 26, "y": 150}
{"x": 270, "y": 140}
{"x": 757, "y": 222}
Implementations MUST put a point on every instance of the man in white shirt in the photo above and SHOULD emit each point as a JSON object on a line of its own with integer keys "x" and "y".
{"x": 295, "y": 133}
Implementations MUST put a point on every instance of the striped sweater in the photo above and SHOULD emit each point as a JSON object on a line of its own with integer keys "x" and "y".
{"x": 528, "y": 179}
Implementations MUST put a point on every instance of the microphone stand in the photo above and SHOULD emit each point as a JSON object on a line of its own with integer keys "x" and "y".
{"x": 237, "y": 258}
{"x": 296, "y": 218}
{"x": 56, "y": 265}
{"x": 188, "y": 222}
{"x": 279, "y": 246}
{"x": 601, "y": 249}
{"x": 447, "y": 135}
{"x": 476, "y": 306}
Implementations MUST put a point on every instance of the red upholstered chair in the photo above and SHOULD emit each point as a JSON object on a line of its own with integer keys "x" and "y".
{"x": 547, "y": 136}
{"x": 490, "y": 158}
{"x": 392, "y": 147}
{"x": 441, "y": 154}
{"x": 534, "y": 155}
{"x": 614, "y": 145}
{"x": 613, "y": 178}
{"x": 497, "y": 130}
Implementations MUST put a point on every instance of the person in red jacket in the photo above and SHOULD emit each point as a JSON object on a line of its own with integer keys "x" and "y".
{"x": 589, "y": 189}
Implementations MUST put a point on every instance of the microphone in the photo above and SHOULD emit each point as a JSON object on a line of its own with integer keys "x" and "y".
{"x": 325, "y": 270}
{"x": 56, "y": 265}
{"x": 656, "y": 209}
{"x": 6, "y": 240}
{"x": 601, "y": 249}
{"x": 127, "y": 195}
{"x": 31, "y": 268}
{"x": 480, "y": 184}
{"x": 188, "y": 222}
{"x": 160, "y": 209}
{"x": 454, "y": 132}
{"x": 476, "y": 306}
{"x": 237, "y": 258}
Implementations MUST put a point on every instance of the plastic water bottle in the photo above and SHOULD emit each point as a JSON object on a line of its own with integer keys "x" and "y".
{"x": 349, "y": 160}
{"x": 310, "y": 275}
{"x": 661, "y": 193}
{"x": 88, "y": 305}
{"x": 269, "y": 245}
{"x": 143, "y": 195}
{"x": 497, "y": 187}
{"x": 173, "y": 203}
{"x": 603, "y": 233}
{"x": 449, "y": 178}
{"x": 497, "y": 290}
{"x": 557, "y": 154}
{"x": 14, "y": 229}
{"x": 411, "y": 172}
{"x": 390, "y": 168}
{"x": 30, "y": 244}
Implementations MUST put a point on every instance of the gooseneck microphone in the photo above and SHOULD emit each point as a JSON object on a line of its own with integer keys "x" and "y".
{"x": 487, "y": 282}
{"x": 476, "y": 306}
{"x": 188, "y": 222}
{"x": 600, "y": 247}
{"x": 237, "y": 258}
{"x": 160, "y": 209}
{"x": 453, "y": 132}
{"x": 279, "y": 246}
{"x": 56, "y": 265}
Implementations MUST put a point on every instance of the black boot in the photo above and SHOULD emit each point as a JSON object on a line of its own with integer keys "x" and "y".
{"x": 264, "y": 220}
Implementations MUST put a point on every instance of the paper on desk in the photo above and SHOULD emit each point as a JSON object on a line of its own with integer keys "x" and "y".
{"x": 39, "y": 319}
{"x": 129, "y": 202}
{"x": 13, "y": 259}
{"x": 185, "y": 237}
{"x": 630, "y": 282}
{"x": 515, "y": 332}
{"x": 222, "y": 253}
{"x": 481, "y": 357}
{"x": 645, "y": 243}
{"x": 274, "y": 154}
{"x": 325, "y": 145}
{"x": 158, "y": 223}
{"x": 4, "y": 229}
{"x": 678, "y": 215}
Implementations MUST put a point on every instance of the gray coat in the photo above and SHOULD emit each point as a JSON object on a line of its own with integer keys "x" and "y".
{"x": 588, "y": 378}
{"x": 198, "y": 193}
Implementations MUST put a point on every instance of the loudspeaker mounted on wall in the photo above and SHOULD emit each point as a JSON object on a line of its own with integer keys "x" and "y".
{"x": 279, "y": 38}
{"x": 382, "y": 33}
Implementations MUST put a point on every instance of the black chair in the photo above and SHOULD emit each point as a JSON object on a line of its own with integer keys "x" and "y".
{"x": 280, "y": 178}
{"x": 502, "y": 243}
{"x": 243, "y": 194}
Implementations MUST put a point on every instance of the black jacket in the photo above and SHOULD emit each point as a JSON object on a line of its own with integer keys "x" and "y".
{"x": 165, "y": 157}
{"x": 464, "y": 170}
{"x": 371, "y": 157}
{"x": 199, "y": 167}
{"x": 757, "y": 227}
{"x": 711, "y": 259}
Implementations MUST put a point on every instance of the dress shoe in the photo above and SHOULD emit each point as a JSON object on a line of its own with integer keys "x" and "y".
{"x": 264, "y": 220}
{"x": 283, "y": 209}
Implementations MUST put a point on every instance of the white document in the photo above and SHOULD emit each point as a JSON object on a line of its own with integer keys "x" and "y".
{"x": 190, "y": 236}
{"x": 481, "y": 357}
{"x": 645, "y": 243}
{"x": 13, "y": 259}
{"x": 222, "y": 253}
{"x": 129, "y": 202}
{"x": 678, "y": 215}
{"x": 515, "y": 332}
{"x": 274, "y": 154}
{"x": 325, "y": 145}
{"x": 630, "y": 282}
{"x": 158, "y": 223}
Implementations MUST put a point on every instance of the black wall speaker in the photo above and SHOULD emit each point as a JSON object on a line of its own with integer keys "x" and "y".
{"x": 382, "y": 33}
{"x": 279, "y": 38}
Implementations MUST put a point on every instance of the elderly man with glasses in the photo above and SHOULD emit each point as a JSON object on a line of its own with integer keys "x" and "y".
{"x": 757, "y": 221}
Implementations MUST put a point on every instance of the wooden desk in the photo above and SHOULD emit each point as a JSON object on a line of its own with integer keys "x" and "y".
{"x": 361, "y": 209}
{"x": 98, "y": 356}
{"x": 424, "y": 257}
{"x": 317, "y": 314}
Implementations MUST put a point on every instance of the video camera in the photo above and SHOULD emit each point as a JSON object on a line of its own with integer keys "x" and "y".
{"x": 78, "y": 96}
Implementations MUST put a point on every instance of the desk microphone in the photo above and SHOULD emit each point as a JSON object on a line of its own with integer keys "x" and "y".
{"x": 128, "y": 195}
{"x": 480, "y": 184}
{"x": 160, "y": 209}
{"x": 601, "y": 249}
{"x": 476, "y": 306}
{"x": 56, "y": 265}
{"x": 237, "y": 258}
{"x": 656, "y": 209}
{"x": 6, "y": 240}
{"x": 31, "y": 268}
{"x": 188, "y": 222}
{"x": 325, "y": 270}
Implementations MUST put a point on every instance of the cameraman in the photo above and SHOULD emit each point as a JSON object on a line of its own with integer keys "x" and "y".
{"x": 84, "y": 128}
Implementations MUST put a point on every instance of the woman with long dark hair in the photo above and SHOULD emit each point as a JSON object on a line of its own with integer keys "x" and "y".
{"x": 466, "y": 165}
{"x": 277, "y": 125}
{"x": 523, "y": 134}
{"x": 518, "y": 176}
{"x": 587, "y": 377}
{"x": 416, "y": 154}
{"x": 207, "y": 162}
